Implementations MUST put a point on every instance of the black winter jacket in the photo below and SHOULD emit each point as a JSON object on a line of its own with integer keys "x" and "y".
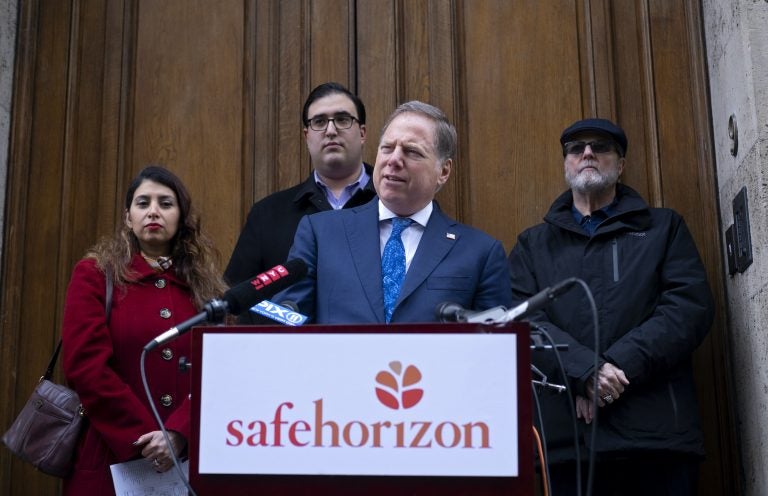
{"x": 654, "y": 308}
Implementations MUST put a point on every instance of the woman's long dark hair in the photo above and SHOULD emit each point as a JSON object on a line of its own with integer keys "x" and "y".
{"x": 194, "y": 256}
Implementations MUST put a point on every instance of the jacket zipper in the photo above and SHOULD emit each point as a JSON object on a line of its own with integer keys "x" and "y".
{"x": 674, "y": 401}
{"x": 615, "y": 244}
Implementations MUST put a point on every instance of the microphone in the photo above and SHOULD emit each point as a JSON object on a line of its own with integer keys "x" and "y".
{"x": 290, "y": 305}
{"x": 453, "y": 312}
{"x": 238, "y": 298}
{"x": 540, "y": 300}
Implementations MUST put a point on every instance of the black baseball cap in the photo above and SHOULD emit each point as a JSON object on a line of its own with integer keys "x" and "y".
{"x": 603, "y": 126}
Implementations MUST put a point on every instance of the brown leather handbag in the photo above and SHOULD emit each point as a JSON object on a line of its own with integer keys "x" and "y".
{"x": 46, "y": 431}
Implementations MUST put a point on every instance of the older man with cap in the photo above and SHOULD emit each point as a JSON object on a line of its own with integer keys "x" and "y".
{"x": 654, "y": 307}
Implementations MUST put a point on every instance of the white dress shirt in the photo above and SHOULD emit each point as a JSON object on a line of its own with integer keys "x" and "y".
{"x": 411, "y": 236}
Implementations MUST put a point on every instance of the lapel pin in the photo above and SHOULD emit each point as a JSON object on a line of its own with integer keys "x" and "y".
{"x": 450, "y": 235}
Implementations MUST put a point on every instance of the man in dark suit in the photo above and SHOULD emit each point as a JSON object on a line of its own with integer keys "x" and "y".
{"x": 362, "y": 272}
{"x": 334, "y": 130}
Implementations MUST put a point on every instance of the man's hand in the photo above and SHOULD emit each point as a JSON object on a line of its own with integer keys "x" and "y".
{"x": 611, "y": 382}
{"x": 584, "y": 409}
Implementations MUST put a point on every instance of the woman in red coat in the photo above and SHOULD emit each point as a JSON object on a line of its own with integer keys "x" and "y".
{"x": 163, "y": 271}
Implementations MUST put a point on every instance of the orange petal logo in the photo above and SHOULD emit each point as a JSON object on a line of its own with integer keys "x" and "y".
{"x": 394, "y": 389}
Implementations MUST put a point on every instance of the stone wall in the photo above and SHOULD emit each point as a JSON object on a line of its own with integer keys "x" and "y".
{"x": 737, "y": 50}
{"x": 8, "y": 21}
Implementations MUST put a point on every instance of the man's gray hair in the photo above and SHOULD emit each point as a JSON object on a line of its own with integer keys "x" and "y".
{"x": 445, "y": 133}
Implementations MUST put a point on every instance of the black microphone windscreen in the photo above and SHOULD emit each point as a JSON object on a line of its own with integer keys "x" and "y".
{"x": 450, "y": 312}
{"x": 264, "y": 286}
{"x": 290, "y": 304}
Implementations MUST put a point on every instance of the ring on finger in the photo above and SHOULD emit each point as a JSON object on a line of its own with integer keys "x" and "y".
{"x": 608, "y": 398}
{"x": 155, "y": 462}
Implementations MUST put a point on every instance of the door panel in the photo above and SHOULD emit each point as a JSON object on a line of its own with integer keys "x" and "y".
{"x": 522, "y": 88}
{"x": 187, "y": 102}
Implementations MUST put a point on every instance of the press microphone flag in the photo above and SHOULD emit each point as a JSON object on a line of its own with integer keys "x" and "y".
{"x": 239, "y": 298}
{"x": 287, "y": 313}
{"x": 265, "y": 285}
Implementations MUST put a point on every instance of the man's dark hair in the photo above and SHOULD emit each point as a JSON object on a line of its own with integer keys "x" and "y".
{"x": 331, "y": 88}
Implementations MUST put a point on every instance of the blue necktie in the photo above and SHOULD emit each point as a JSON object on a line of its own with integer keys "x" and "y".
{"x": 393, "y": 265}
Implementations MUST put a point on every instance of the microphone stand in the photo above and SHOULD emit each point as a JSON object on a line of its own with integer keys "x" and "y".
{"x": 538, "y": 341}
{"x": 160, "y": 423}
{"x": 537, "y": 344}
{"x": 543, "y": 382}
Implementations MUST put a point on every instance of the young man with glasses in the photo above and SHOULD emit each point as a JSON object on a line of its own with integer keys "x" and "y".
{"x": 334, "y": 130}
{"x": 654, "y": 308}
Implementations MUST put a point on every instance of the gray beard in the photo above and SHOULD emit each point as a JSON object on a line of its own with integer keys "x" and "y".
{"x": 593, "y": 181}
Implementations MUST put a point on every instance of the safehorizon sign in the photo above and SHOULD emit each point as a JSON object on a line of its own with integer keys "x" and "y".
{"x": 359, "y": 404}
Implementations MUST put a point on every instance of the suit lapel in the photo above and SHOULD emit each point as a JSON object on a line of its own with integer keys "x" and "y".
{"x": 362, "y": 231}
{"x": 435, "y": 244}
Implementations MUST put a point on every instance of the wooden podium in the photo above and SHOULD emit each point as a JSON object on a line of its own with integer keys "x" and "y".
{"x": 412, "y": 409}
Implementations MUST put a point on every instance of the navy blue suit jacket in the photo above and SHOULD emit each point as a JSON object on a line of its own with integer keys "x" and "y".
{"x": 453, "y": 263}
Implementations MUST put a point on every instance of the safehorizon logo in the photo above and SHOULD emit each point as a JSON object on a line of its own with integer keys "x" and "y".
{"x": 395, "y": 390}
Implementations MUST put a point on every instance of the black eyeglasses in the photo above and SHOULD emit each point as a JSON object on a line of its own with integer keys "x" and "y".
{"x": 578, "y": 147}
{"x": 341, "y": 121}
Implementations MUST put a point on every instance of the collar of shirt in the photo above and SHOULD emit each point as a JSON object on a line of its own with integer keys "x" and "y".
{"x": 591, "y": 222}
{"x": 348, "y": 191}
{"x": 411, "y": 236}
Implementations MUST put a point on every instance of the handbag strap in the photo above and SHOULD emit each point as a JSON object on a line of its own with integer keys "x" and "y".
{"x": 108, "y": 294}
{"x": 107, "y": 311}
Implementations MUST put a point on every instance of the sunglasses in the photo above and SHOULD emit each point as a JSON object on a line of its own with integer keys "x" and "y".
{"x": 578, "y": 147}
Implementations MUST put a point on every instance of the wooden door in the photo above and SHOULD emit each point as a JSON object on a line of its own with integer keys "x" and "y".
{"x": 214, "y": 89}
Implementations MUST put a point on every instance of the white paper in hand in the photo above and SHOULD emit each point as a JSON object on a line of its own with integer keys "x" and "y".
{"x": 138, "y": 477}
